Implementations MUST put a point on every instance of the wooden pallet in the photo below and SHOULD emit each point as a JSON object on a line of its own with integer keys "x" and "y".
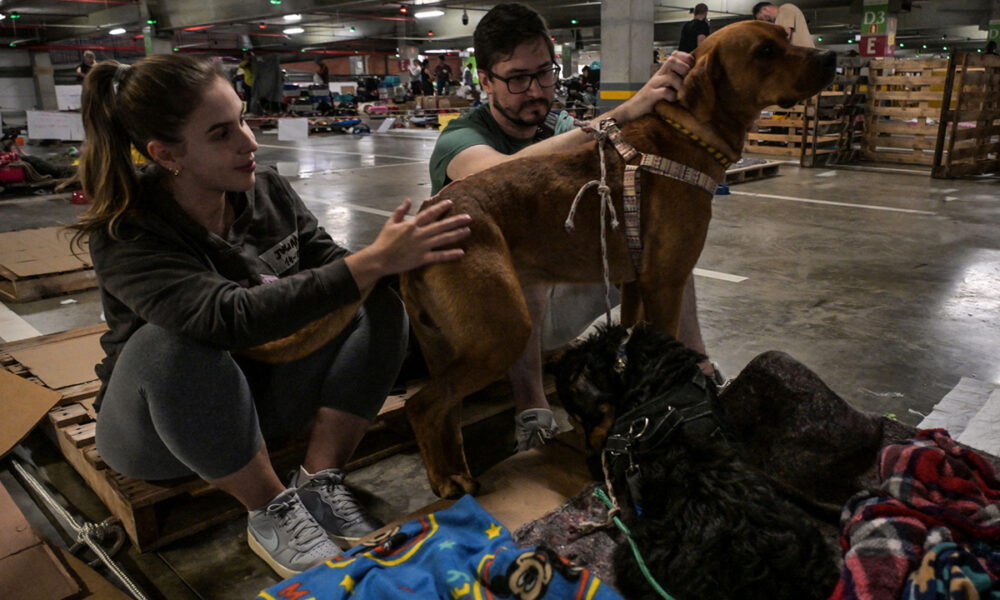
{"x": 38, "y": 263}
{"x": 904, "y": 105}
{"x": 25, "y": 289}
{"x": 155, "y": 514}
{"x": 968, "y": 140}
{"x": 782, "y": 131}
{"x": 763, "y": 170}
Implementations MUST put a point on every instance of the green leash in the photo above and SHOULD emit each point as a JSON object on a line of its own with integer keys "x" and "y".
{"x": 635, "y": 549}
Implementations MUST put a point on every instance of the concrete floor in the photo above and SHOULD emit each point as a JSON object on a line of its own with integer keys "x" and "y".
{"x": 884, "y": 281}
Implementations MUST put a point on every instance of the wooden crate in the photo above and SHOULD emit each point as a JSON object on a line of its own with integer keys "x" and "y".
{"x": 155, "y": 514}
{"x": 904, "y": 107}
{"x": 760, "y": 170}
{"x": 968, "y": 140}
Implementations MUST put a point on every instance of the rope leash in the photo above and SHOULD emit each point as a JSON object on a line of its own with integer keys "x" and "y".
{"x": 599, "y": 493}
{"x": 604, "y": 195}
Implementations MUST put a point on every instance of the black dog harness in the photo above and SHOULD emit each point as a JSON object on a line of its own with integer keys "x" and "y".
{"x": 651, "y": 425}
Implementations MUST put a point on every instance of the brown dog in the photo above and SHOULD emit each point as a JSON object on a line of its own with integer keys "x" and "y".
{"x": 470, "y": 316}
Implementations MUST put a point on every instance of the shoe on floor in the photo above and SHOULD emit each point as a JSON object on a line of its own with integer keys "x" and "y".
{"x": 287, "y": 537}
{"x": 534, "y": 427}
{"x": 333, "y": 505}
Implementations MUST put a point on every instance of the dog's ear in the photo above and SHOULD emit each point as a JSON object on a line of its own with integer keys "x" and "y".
{"x": 698, "y": 92}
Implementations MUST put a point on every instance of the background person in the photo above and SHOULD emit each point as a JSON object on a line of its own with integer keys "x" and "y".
{"x": 203, "y": 254}
{"x": 696, "y": 30}
{"x": 788, "y": 16}
{"x": 442, "y": 74}
{"x": 88, "y": 62}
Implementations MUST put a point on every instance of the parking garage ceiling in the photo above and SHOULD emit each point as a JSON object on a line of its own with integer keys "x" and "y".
{"x": 370, "y": 26}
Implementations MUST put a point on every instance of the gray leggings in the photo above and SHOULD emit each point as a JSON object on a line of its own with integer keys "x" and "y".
{"x": 174, "y": 406}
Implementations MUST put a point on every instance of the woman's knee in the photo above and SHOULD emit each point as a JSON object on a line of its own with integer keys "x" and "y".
{"x": 385, "y": 309}
{"x": 162, "y": 364}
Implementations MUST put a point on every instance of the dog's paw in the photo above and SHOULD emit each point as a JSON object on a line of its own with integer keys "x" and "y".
{"x": 456, "y": 486}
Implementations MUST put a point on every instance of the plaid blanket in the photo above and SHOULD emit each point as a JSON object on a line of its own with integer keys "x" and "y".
{"x": 932, "y": 492}
{"x": 461, "y": 553}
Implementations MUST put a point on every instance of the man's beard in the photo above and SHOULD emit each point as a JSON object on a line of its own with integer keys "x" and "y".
{"x": 513, "y": 117}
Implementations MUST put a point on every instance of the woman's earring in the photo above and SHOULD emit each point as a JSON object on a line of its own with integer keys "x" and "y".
{"x": 175, "y": 172}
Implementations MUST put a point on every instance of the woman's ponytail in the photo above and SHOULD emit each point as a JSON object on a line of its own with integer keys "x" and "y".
{"x": 106, "y": 169}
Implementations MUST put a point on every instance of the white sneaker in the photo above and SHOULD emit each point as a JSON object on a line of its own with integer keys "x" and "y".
{"x": 534, "y": 427}
{"x": 287, "y": 537}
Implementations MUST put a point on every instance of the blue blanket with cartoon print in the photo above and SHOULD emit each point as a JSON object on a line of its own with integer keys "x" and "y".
{"x": 458, "y": 553}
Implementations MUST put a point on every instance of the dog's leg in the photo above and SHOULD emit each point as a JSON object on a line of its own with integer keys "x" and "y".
{"x": 631, "y": 304}
{"x": 661, "y": 303}
{"x": 472, "y": 322}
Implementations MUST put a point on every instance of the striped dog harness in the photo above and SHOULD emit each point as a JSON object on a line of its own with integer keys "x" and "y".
{"x": 657, "y": 165}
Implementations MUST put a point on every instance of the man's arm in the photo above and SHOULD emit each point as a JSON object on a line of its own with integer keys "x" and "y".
{"x": 663, "y": 85}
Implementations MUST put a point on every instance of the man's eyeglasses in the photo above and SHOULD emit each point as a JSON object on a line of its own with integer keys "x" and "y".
{"x": 518, "y": 84}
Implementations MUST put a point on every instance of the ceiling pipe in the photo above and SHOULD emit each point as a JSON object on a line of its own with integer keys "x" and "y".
{"x": 134, "y": 48}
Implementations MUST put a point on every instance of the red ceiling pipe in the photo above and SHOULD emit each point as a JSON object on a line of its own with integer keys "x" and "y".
{"x": 28, "y": 46}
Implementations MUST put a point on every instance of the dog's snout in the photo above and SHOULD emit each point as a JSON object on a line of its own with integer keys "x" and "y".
{"x": 828, "y": 59}
{"x": 827, "y": 64}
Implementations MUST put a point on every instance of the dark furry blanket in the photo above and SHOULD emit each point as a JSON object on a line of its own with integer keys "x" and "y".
{"x": 786, "y": 422}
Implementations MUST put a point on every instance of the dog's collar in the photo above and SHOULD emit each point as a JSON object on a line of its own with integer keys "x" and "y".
{"x": 717, "y": 154}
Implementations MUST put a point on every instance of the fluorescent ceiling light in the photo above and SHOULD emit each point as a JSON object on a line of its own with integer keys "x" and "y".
{"x": 117, "y": 31}
{"x": 427, "y": 14}
{"x": 292, "y": 30}
{"x": 295, "y": 17}
{"x": 419, "y": 2}
{"x": 470, "y": 49}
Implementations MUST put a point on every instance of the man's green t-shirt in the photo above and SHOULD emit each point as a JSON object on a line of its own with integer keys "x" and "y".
{"x": 475, "y": 129}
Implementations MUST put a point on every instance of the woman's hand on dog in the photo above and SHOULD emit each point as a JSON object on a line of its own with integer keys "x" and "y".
{"x": 663, "y": 85}
{"x": 404, "y": 244}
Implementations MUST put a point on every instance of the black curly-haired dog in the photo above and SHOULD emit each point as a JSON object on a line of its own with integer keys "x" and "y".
{"x": 706, "y": 525}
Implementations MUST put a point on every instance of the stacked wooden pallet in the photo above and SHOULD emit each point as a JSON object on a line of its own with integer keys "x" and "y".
{"x": 39, "y": 263}
{"x": 778, "y": 132}
{"x": 834, "y": 120}
{"x": 904, "y": 106}
{"x": 968, "y": 140}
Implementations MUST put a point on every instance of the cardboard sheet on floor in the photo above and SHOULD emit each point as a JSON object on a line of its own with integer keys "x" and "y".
{"x": 971, "y": 413}
{"x": 96, "y": 586}
{"x": 23, "y": 405}
{"x": 529, "y": 484}
{"x": 31, "y": 252}
{"x": 67, "y": 362}
{"x": 28, "y": 567}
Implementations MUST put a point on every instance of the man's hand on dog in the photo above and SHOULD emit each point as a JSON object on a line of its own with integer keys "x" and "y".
{"x": 663, "y": 85}
{"x": 403, "y": 244}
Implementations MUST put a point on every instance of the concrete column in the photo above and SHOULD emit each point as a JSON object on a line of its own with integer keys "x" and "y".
{"x": 568, "y": 60}
{"x": 44, "y": 80}
{"x": 157, "y": 44}
{"x": 993, "y": 31}
{"x": 626, "y": 49}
